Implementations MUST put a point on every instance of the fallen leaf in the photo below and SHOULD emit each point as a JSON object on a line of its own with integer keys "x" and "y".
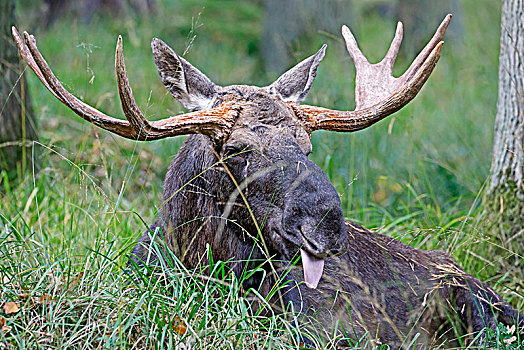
{"x": 54, "y": 281}
{"x": 11, "y": 308}
{"x": 3, "y": 325}
{"x": 75, "y": 281}
{"x": 45, "y": 299}
{"x": 114, "y": 333}
{"x": 24, "y": 295}
{"x": 179, "y": 326}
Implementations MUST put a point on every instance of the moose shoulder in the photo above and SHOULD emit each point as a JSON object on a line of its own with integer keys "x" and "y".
{"x": 243, "y": 184}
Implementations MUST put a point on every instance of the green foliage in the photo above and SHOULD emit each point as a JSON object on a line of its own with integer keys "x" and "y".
{"x": 501, "y": 225}
{"x": 66, "y": 231}
{"x": 504, "y": 337}
{"x": 87, "y": 300}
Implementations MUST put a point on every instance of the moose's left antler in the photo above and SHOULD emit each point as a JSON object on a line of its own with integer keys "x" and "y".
{"x": 377, "y": 93}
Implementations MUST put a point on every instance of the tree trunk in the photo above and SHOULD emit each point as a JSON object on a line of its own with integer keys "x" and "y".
{"x": 506, "y": 189}
{"x": 504, "y": 202}
{"x": 17, "y": 125}
{"x": 508, "y": 156}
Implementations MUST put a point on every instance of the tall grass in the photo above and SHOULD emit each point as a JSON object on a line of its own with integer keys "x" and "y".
{"x": 67, "y": 229}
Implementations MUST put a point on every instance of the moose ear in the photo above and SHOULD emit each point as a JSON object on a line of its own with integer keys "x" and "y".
{"x": 294, "y": 84}
{"x": 187, "y": 84}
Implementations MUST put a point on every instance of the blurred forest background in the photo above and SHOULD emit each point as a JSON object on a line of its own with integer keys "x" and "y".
{"x": 439, "y": 145}
{"x": 419, "y": 175}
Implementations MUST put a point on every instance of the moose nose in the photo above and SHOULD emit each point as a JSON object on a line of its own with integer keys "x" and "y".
{"x": 313, "y": 216}
{"x": 320, "y": 230}
{"x": 337, "y": 250}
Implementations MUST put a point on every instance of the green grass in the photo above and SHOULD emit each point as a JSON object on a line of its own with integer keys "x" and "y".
{"x": 66, "y": 230}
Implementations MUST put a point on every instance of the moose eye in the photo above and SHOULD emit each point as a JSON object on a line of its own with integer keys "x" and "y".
{"x": 233, "y": 152}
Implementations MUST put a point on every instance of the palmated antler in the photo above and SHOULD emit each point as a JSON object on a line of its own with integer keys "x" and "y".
{"x": 377, "y": 93}
{"x": 215, "y": 122}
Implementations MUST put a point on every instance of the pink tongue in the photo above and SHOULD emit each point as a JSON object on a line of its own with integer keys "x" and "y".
{"x": 313, "y": 268}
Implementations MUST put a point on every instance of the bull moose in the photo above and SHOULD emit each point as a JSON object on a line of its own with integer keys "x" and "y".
{"x": 243, "y": 185}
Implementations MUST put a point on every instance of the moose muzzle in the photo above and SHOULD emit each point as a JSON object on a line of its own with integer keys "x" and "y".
{"x": 313, "y": 220}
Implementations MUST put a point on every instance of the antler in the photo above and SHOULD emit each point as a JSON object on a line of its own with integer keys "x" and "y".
{"x": 377, "y": 93}
{"x": 215, "y": 122}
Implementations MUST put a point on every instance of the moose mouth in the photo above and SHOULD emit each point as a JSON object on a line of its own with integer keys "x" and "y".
{"x": 312, "y": 264}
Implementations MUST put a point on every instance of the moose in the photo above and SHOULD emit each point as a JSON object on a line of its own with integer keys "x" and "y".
{"x": 243, "y": 185}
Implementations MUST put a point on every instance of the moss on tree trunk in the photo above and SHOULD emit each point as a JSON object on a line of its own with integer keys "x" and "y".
{"x": 504, "y": 214}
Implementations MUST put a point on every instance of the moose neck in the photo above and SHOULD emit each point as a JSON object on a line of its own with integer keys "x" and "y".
{"x": 192, "y": 210}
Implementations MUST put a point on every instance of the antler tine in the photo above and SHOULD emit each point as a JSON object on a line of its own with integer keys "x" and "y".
{"x": 129, "y": 106}
{"x": 214, "y": 122}
{"x": 87, "y": 112}
{"x": 352, "y": 46}
{"x": 391, "y": 56}
{"x": 26, "y": 54}
{"x": 423, "y": 55}
{"x": 377, "y": 93}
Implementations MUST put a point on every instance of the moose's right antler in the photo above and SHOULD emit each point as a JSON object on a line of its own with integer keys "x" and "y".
{"x": 215, "y": 122}
{"x": 377, "y": 93}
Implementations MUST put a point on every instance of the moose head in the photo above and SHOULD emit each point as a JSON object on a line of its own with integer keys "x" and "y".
{"x": 262, "y": 188}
